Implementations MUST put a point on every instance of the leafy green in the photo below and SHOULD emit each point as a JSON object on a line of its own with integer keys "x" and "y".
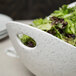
{"x": 61, "y": 23}
{"x": 40, "y": 21}
{"x": 63, "y": 12}
{"x": 26, "y": 39}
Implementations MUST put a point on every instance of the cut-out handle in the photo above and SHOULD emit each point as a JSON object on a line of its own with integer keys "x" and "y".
{"x": 15, "y": 28}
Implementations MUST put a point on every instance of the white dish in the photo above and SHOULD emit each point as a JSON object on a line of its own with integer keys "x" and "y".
{"x": 3, "y": 36}
{"x": 3, "y": 32}
{"x": 50, "y": 57}
{"x": 3, "y": 20}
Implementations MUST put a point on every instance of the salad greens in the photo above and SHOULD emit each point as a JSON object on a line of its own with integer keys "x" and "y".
{"x": 27, "y": 41}
{"x": 61, "y": 23}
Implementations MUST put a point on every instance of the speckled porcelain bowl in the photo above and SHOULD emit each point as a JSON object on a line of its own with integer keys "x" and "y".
{"x": 50, "y": 57}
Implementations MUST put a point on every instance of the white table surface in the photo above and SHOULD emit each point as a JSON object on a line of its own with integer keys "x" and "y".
{"x": 10, "y": 66}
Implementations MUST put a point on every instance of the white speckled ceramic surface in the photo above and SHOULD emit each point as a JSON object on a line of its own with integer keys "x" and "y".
{"x": 50, "y": 57}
